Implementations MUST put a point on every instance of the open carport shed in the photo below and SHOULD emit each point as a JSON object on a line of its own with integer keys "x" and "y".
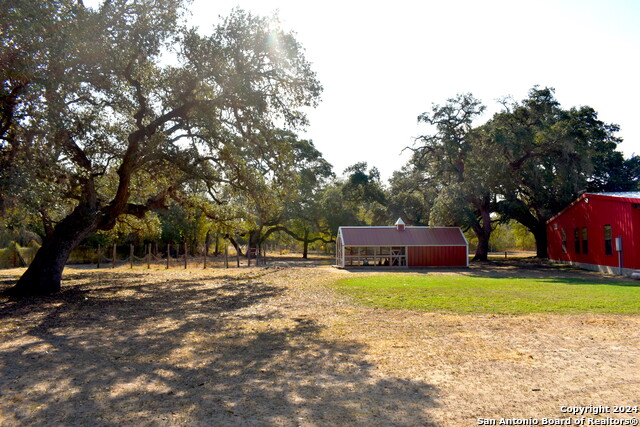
{"x": 400, "y": 246}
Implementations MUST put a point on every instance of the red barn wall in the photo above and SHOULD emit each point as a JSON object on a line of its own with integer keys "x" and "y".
{"x": 437, "y": 256}
{"x": 594, "y": 215}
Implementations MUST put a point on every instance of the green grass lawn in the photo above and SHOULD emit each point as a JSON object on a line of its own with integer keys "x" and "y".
{"x": 467, "y": 294}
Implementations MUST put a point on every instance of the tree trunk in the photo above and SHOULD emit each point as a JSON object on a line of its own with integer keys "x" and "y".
{"x": 482, "y": 230}
{"x": 535, "y": 223}
{"x": 216, "y": 251}
{"x": 235, "y": 245}
{"x": 44, "y": 275}
{"x": 305, "y": 250}
{"x": 540, "y": 234}
{"x": 482, "y": 251}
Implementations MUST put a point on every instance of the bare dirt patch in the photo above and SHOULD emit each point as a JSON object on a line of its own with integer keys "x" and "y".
{"x": 277, "y": 346}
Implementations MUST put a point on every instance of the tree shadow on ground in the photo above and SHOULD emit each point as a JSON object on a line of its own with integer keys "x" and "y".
{"x": 196, "y": 352}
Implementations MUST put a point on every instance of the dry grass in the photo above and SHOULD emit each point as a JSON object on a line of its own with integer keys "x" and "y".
{"x": 277, "y": 346}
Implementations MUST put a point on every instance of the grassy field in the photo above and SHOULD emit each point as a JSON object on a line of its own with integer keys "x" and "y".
{"x": 500, "y": 295}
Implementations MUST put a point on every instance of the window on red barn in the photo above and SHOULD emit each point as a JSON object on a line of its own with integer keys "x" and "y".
{"x": 608, "y": 247}
{"x": 576, "y": 240}
{"x": 585, "y": 243}
{"x": 564, "y": 240}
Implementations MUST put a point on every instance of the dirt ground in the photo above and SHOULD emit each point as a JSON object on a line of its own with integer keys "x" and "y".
{"x": 277, "y": 346}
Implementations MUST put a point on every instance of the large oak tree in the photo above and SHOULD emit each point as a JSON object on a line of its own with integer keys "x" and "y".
{"x": 550, "y": 155}
{"x": 110, "y": 111}
{"x": 457, "y": 163}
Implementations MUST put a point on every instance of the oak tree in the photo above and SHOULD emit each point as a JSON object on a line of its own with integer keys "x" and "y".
{"x": 111, "y": 111}
{"x": 550, "y": 155}
{"x": 456, "y": 162}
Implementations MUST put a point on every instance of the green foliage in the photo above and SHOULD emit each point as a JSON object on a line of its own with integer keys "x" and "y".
{"x": 185, "y": 224}
{"x": 513, "y": 295}
{"x": 512, "y": 235}
{"x": 409, "y": 197}
{"x": 457, "y": 161}
{"x": 111, "y": 112}
{"x": 12, "y": 230}
{"x": 612, "y": 172}
{"x": 502, "y": 238}
{"x": 102, "y": 116}
{"x": 549, "y": 155}
{"x": 524, "y": 239}
{"x": 361, "y": 186}
{"x": 363, "y": 196}
{"x": 130, "y": 229}
{"x": 527, "y": 163}
{"x": 301, "y": 214}
{"x": 337, "y": 209}
{"x": 13, "y": 255}
{"x": 452, "y": 208}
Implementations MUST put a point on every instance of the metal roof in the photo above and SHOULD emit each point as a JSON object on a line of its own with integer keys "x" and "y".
{"x": 622, "y": 194}
{"x": 410, "y": 236}
{"x": 623, "y": 197}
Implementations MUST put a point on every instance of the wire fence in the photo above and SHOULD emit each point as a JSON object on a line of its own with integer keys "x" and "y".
{"x": 156, "y": 256}
{"x": 178, "y": 256}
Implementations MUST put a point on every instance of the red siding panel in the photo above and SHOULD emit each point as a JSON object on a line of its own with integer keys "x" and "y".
{"x": 594, "y": 214}
{"x": 437, "y": 256}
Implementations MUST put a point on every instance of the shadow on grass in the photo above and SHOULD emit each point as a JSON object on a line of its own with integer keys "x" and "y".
{"x": 125, "y": 351}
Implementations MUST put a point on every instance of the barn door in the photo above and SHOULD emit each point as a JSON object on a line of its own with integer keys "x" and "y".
{"x": 398, "y": 257}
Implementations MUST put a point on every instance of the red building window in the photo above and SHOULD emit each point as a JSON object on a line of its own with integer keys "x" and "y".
{"x": 576, "y": 240}
{"x": 608, "y": 247}
{"x": 564, "y": 240}
{"x": 585, "y": 243}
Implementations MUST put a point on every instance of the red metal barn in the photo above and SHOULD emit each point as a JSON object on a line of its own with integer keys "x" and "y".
{"x": 599, "y": 231}
{"x": 401, "y": 246}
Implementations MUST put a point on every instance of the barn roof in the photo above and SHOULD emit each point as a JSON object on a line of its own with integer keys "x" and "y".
{"x": 622, "y": 196}
{"x": 410, "y": 236}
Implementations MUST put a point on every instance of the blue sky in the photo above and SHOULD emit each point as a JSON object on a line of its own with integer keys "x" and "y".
{"x": 384, "y": 63}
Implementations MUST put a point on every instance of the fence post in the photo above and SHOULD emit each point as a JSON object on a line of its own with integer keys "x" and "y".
{"x": 185, "y": 255}
{"x": 98, "y": 266}
{"x": 148, "y": 256}
{"x": 264, "y": 255}
{"x": 113, "y": 256}
{"x": 131, "y": 255}
{"x": 226, "y": 254}
{"x": 168, "y": 254}
{"x": 206, "y": 251}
